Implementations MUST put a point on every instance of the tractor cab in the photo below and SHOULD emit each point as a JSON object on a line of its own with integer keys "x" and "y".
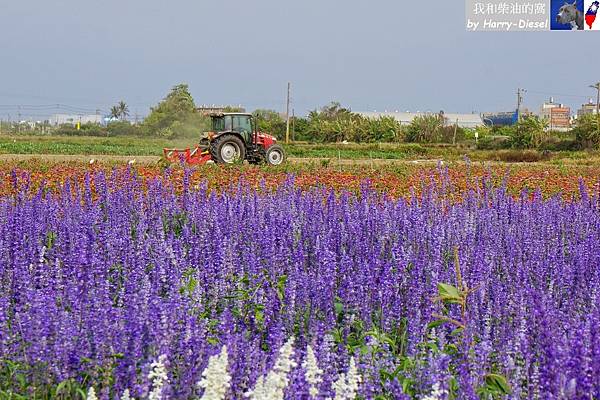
{"x": 240, "y": 123}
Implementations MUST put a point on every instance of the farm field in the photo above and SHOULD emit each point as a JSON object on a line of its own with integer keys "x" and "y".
{"x": 409, "y": 281}
{"x": 135, "y": 146}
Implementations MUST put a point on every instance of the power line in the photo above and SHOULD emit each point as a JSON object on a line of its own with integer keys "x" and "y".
{"x": 557, "y": 94}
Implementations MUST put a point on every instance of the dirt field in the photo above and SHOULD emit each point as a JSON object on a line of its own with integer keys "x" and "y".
{"x": 148, "y": 160}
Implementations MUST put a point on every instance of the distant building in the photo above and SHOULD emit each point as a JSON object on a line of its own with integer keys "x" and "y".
{"x": 588, "y": 108}
{"x": 557, "y": 115}
{"x": 405, "y": 118}
{"x": 214, "y": 109}
{"x": 504, "y": 118}
{"x": 72, "y": 119}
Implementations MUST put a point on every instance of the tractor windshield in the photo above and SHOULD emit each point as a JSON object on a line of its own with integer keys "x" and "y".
{"x": 221, "y": 124}
{"x": 237, "y": 123}
{"x": 242, "y": 124}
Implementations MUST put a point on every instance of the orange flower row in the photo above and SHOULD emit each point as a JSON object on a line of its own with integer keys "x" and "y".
{"x": 394, "y": 181}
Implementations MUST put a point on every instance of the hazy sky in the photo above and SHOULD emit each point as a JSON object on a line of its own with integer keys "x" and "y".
{"x": 369, "y": 55}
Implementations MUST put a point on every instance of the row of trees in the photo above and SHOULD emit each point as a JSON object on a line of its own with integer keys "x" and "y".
{"x": 532, "y": 133}
{"x": 176, "y": 116}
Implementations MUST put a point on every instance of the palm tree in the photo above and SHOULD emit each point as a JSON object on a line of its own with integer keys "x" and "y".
{"x": 123, "y": 109}
{"x": 115, "y": 112}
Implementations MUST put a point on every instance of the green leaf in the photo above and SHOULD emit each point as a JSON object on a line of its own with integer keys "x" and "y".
{"x": 339, "y": 308}
{"x": 259, "y": 316}
{"x": 449, "y": 293}
{"x": 451, "y": 349}
{"x": 497, "y": 383}
{"x": 407, "y": 386}
{"x": 457, "y": 332}
{"x": 61, "y": 386}
{"x": 281, "y": 282}
{"x": 435, "y": 324}
{"x": 50, "y": 239}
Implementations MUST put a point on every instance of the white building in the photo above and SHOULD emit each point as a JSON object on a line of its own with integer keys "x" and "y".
{"x": 72, "y": 119}
{"x": 557, "y": 115}
{"x": 589, "y": 108}
{"x": 405, "y": 118}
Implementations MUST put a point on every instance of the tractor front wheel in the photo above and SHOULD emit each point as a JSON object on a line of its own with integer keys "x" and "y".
{"x": 275, "y": 155}
{"x": 227, "y": 149}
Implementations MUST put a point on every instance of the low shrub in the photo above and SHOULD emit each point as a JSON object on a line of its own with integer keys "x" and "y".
{"x": 557, "y": 144}
{"x": 493, "y": 143}
{"x": 525, "y": 156}
{"x": 123, "y": 128}
{"x": 84, "y": 130}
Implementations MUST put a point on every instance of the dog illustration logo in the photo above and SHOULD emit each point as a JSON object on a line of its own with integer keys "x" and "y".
{"x": 590, "y": 15}
{"x": 570, "y": 16}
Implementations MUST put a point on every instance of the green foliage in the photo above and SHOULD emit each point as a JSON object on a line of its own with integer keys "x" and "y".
{"x": 556, "y": 143}
{"x": 122, "y": 128}
{"x": 493, "y": 142}
{"x": 119, "y": 111}
{"x": 521, "y": 156}
{"x": 114, "y": 112}
{"x": 587, "y": 134}
{"x": 529, "y": 133}
{"x": 19, "y": 381}
{"x": 270, "y": 122}
{"x": 370, "y": 341}
{"x": 452, "y": 134}
{"x": 334, "y": 123}
{"x": 483, "y": 131}
{"x": 425, "y": 129}
{"x": 495, "y": 386}
{"x": 88, "y": 129}
{"x": 299, "y": 128}
{"x": 175, "y": 116}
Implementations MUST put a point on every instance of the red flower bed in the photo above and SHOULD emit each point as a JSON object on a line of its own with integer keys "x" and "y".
{"x": 394, "y": 181}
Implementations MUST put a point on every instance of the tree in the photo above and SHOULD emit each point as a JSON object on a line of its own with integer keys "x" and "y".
{"x": 123, "y": 110}
{"x": 114, "y": 112}
{"x": 425, "y": 129}
{"x": 269, "y": 121}
{"x": 177, "y": 106}
{"x": 530, "y": 132}
{"x": 586, "y": 131}
{"x": 332, "y": 111}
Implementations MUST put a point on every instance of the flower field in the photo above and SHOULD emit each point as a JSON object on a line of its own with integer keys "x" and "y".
{"x": 395, "y": 181}
{"x": 233, "y": 283}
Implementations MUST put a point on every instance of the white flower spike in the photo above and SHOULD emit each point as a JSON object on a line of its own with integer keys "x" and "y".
{"x": 272, "y": 386}
{"x": 215, "y": 378}
{"x": 158, "y": 376}
{"x": 91, "y": 394}
{"x": 313, "y": 374}
{"x": 346, "y": 386}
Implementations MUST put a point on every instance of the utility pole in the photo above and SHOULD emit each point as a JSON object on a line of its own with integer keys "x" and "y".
{"x": 597, "y": 87}
{"x": 287, "y": 115}
{"x": 293, "y": 125}
{"x": 519, "y": 102}
{"x": 454, "y": 137}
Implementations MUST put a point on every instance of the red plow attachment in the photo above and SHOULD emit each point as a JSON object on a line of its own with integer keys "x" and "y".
{"x": 195, "y": 156}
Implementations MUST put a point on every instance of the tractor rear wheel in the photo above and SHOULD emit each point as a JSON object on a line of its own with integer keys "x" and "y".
{"x": 227, "y": 149}
{"x": 275, "y": 155}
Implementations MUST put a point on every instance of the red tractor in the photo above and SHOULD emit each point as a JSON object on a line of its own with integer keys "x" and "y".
{"x": 234, "y": 137}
